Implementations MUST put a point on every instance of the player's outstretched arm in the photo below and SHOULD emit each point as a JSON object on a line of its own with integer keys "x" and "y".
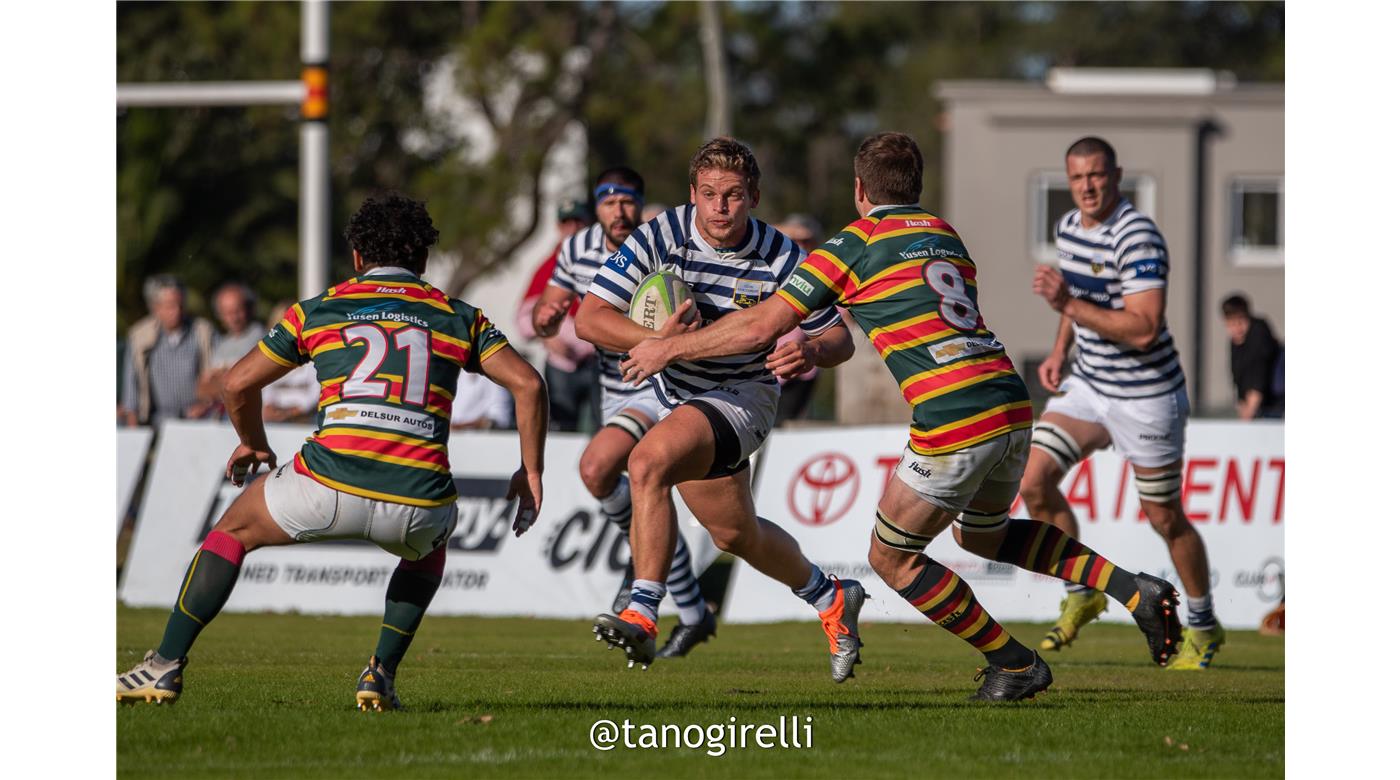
{"x": 506, "y": 368}
{"x": 733, "y": 334}
{"x": 242, "y": 393}
{"x": 550, "y": 309}
{"x": 832, "y": 348}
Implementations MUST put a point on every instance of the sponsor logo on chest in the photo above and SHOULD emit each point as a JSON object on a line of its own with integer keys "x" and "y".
{"x": 747, "y": 293}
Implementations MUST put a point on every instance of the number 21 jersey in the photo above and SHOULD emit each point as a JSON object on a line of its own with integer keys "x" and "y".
{"x": 388, "y": 349}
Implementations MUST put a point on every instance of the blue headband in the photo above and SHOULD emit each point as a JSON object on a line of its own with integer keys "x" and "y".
{"x": 608, "y": 189}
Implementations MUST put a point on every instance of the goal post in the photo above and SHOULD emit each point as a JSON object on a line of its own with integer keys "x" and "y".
{"x": 314, "y": 185}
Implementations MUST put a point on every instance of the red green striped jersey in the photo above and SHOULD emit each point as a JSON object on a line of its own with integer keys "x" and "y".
{"x": 912, "y": 287}
{"x": 388, "y": 349}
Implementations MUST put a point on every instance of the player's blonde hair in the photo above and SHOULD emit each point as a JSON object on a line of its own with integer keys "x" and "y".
{"x": 726, "y": 154}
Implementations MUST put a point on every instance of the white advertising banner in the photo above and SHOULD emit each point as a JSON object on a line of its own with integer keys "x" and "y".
{"x": 132, "y": 444}
{"x": 824, "y": 489}
{"x": 569, "y": 565}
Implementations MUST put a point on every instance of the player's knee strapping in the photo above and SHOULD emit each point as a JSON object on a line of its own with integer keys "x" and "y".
{"x": 973, "y": 521}
{"x": 1159, "y": 488}
{"x": 893, "y": 536}
{"x": 1058, "y": 444}
{"x": 632, "y": 424}
{"x": 942, "y": 596}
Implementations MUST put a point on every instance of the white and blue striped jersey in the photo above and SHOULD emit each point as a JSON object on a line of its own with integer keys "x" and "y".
{"x": 1123, "y": 255}
{"x": 723, "y": 280}
{"x": 577, "y": 261}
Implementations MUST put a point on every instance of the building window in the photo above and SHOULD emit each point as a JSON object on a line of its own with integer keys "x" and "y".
{"x": 1256, "y": 221}
{"x": 1050, "y": 199}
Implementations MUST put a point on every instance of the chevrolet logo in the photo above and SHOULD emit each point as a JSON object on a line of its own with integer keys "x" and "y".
{"x": 948, "y": 350}
{"x": 341, "y": 414}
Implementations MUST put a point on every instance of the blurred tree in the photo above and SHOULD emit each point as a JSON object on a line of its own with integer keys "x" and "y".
{"x": 211, "y": 193}
{"x": 1246, "y": 38}
{"x": 521, "y": 73}
{"x": 649, "y": 109}
{"x": 207, "y": 193}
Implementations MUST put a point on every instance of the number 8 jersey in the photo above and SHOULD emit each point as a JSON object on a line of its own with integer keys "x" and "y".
{"x": 388, "y": 349}
{"x": 908, "y": 281}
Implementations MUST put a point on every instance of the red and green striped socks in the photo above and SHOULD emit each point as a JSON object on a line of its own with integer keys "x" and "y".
{"x": 945, "y": 599}
{"x": 1045, "y": 549}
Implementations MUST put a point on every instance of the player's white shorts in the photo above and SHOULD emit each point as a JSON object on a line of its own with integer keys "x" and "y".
{"x": 1148, "y": 432}
{"x": 742, "y": 415}
{"x": 989, "y": 472}
{"x": 311, "y": 512}
{"x": 643, "y": 400}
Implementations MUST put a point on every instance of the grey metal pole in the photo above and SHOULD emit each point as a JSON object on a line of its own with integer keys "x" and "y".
{"x": 210, "y": 93}
{"x": 315, "y": 218}
{"x": 717, "y": 115}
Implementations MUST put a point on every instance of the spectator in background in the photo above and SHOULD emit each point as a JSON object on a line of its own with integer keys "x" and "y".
{"x": 167, "y": 351}
{"x": 481, "y": 404}
{"x": 1256, "y": 361}
{"x": 571, "y": 369}
{"x": 803, "y": 229}
{"x": 806, "y": 232}
{"x": 294, "y": 396}
{"x": 234, "y": 304}
{"x": 573, "y": 216}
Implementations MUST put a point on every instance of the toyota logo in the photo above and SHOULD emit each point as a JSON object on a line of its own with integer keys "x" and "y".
{"x": 823, "y": 490}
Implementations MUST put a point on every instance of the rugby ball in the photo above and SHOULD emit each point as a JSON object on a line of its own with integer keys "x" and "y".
{"x": 658, "y": 296}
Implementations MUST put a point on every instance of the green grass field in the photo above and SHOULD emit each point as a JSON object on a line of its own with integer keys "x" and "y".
{"x": 273, "y": 696}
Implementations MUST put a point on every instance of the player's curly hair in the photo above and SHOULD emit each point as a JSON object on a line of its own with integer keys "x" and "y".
{"x": 726, "y": 154}
{"x": 392, "y": 229}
